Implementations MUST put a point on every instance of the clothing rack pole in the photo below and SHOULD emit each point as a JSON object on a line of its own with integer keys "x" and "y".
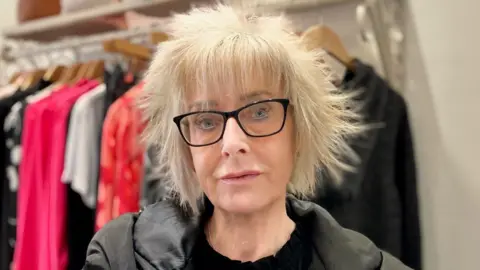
{"x": 78, "y": 42}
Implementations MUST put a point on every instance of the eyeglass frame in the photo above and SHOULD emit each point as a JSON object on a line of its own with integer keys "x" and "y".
{"x": 227, "y": 115}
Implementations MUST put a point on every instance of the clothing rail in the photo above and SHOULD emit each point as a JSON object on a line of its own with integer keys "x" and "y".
{"x": 14, "y": 53}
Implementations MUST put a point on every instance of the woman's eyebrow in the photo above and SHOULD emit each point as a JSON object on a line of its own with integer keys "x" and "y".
{"x": 201, "y": 105}
{"x": 255, "y": 95}
{"x": 208, "y": 104}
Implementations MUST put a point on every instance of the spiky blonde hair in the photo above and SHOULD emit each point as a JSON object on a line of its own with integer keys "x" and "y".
{"x": 210, "y": 46}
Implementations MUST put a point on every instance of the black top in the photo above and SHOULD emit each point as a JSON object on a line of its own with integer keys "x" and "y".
{"x": 9, "y": 146}
{"x": 295, "y": 254}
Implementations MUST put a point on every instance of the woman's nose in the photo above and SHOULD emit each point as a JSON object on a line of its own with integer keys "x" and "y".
{"x": 234, "y": 140}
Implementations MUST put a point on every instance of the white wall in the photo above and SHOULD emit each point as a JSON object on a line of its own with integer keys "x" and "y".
{"x": 443, "y": 94}
{"x": 8, "y": 13}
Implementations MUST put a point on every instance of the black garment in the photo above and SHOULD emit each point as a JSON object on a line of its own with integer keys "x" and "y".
{"x": 162, "y": 237}
{"x": 153, "y": 185}
{"x": 80, "y": 229}
{"x": 116, "y": 85}
{"x": 380, "y": 199}
{"x": 80, "y": 225}
{"x": 294, "y": 255}
{"x": 10, "y": 147}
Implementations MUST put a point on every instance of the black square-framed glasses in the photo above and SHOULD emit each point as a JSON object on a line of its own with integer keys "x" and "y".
{"x": 259, "y": 119}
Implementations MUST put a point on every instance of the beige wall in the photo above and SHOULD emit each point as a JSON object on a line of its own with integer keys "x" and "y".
{"x": 8, "y": 13}
{"x": 444, "y": 104}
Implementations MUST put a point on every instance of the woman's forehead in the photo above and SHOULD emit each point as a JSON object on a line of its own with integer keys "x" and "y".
{"x": 202, "y": 99}
{"x": 236, "y": 90}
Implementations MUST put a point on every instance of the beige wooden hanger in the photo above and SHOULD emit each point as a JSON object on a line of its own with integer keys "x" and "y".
{"x": 321, "y": 36}
{"x": 54, "y": 73}
{"x": 158, "y": 37}
{"x": 96, "y": 70}
{"x": 15, "y": 77}
{"x": 32, "y": 78}
{"x": 69, "y": 73}
{"x": 81, "y": 73}
{"x": 127, "y": 49}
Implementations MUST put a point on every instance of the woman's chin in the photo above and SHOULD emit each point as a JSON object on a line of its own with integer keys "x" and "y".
{"x": 241, "y": 204}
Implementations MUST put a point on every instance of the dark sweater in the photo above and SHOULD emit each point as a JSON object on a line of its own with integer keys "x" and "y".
{"x": 295, "y": 254}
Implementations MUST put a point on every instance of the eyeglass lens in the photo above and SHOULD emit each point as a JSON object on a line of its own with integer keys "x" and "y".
{"x": 258, "y": 119}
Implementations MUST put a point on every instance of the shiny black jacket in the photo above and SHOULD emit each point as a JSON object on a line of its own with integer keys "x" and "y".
{"x": 162, "y": 237}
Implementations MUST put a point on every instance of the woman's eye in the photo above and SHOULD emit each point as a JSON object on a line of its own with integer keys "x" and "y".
{"x": 205, "y": 123}
{"x": 260, "y": 113}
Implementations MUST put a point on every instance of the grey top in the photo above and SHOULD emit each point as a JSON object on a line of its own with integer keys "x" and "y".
{"x": 82, "y": 155}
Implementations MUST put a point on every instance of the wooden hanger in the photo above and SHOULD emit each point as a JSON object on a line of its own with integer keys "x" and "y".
{"x": 96, "y": 70}
{"x": 158, "y": 37}
{"x": 137, "y": 66}
{"x": 32, "y": 78}
{"x": 19, "y": 79}
{"x": 128, "y": 49}
{"x": 69, "y": 73}
{"x": 54, "y": 73}
{"x": 81, "y": 73}
{"x": 14, "y": 77}
{"x": 321, "y": 36}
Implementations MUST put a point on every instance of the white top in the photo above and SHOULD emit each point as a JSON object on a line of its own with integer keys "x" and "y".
{"x": 82, "y": 153}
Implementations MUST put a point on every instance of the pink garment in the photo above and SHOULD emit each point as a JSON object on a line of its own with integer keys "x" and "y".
{"x": 41, "y": 222}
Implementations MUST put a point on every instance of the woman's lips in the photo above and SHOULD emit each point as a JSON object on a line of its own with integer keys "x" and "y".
{"x": 239, "y": 176}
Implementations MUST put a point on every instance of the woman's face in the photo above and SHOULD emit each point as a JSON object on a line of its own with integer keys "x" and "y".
{"x": 243, "y": 174}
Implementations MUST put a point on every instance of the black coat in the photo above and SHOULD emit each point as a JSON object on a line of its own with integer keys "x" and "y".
{"x": 380, "y": 199}
{"x": 162, "y": 237}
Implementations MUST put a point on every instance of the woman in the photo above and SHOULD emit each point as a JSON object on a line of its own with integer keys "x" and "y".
{"x": 243, "y": 114}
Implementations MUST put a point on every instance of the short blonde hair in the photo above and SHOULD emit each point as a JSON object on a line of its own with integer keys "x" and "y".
{"x": 210, "y": 46}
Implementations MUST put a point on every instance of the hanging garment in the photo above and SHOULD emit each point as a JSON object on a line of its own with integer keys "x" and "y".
{"x": 10, "y": 158}
{"x": 82, "y": 153}
{"x": 116, "y": 86}
{"x": 380, "y": 199}
{"x": 153, "y": 186}
{"x": 80, "y": 172}
{"x": 121, "y": 161}
{"x": 7, "y": 90}
{"x": 41, "y": 227}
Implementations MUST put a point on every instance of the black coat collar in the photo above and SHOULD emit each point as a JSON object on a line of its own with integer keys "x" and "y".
{"x": 164, "y": 236}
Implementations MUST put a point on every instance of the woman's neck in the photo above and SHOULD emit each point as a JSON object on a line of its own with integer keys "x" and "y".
{"x": 249, "y": 237}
